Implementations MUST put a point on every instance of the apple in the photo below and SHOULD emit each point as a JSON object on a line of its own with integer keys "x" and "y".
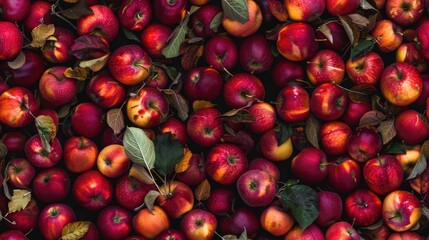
{"x": 364, "y": 143}
{"x": 92, "y": 190}
{"x": 105, "y": 91}
{"x": 171, "y": 234}
{"x": 266, "y": 166}
{"x": 25, "y": 219}
{"x": 330, "y": 208}
{"x": 355, "y": 111}
{"x": 16, "y": 106}
{"x": 264, "y": 116}
{"x": 112, "y": 161}
{"x": 412, "y": 127}
{"x": 246, "y": 28}
{"x": 326, "y": 66}
{"x": 401, "y": 210}
{"x": 87, "y": 120}
{"x": 387, "y": 35}
{"x": 241, "y": 89}
{"x": 196, "y": 172}
{"x": 154, "y": 38}
{"x": 15, "y": 11}
{"x": 221, "y": 53}
{"x": 311, "y": 232}
{"x": 365, "y": 69}
{"x": 202, "y": 18}
{"x": 409, "y": 53}
{"x": 80, "y": 154}
{"x": 242, "y": 219}
{"x": 57, "y": 47}
{"x": 170, "y": 12}
{"x": 380, "y": 232}
{"x": 310, "y": 165}
{"x": 103, "y": 23}
{"x": 341, "y": 7}
{"x": 92, "y": 232}
{"x": 220, "y": 201}
{"x": 328, "y": 102}
{"x": 285, "y": 71}
{"x": 176, "y": 199}
{"x": 51, "y": 185}
{"x": 342, "y": 230}
{"x": 20, "y": 172}
{"x": 334, "y": 136}
{"x": 150, "y": 224}
{"x": 130, "y": 192}
{"x": 39, "y": 156}
{"x": 293, "y": 104}
{"x": 114, "y": 223}
{"x": 203, "y": 83}
{"x": 205, "y": 127}
{"x": 53, "y": 218}
{"x": 409, "y": 159}
{"x": 344, "y": 174}
{"x": 255, "y": 54}
{"x": 12, "y": 40}
{"x": 272, "y": 149}
{"x": 256, "y": 188}
{"x": 383, "y": 174}
{"x": 199, "y": 224}
{"x": 297, "y": 41}
{"x": 276, "y": 221}
{"x": 332, "y": 36}
{"x": 363, "y": 207}
{"x": 225, "y": 163}
{"x": 422, "y": 37}
{"x": 404, "y": 12}
{"x": 421, "y": 101}
{"x": 408, "y": 235}
{"x": 14, "y": 141}
{"x": 148, "y": 108}
{"x": 302, "y": 11}
{"x": 157, "y": 78}
{"x": 13, "y": 235}
{"x": 135, "y": 15}
{"x": 56, "y": 88}
{"x": 177, "y": 129}
{"x": 39, "y": 12}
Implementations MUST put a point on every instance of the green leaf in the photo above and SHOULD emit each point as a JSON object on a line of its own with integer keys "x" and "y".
{"x": 397, "y": 148}
{"x": 420, "y": 167}
{"x": 303, "y": 201}
{"x": 168, "y": 151}
{"x": 139, "y": 148}
{"x": 243, "y": 235}
{"x": 216, "y": 21}
{"x": 236, "y": 10}
{"x": 283, "y": 133}
{"x": 361, "y": 48}
{"x": 150, "y": 199}
{"x": 176, "y": 39}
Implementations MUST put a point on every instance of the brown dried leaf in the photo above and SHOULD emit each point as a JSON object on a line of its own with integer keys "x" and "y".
{"x": 75, "y": 230}
{"x": 425, "y": 149}
{"x": 115, "y": 120}
{"x": 47, "y": 130}
{"x": 312, "y": 126}
{"x": 190, "y": 58}
{"x": 278, "y": 10}
{"x": 95, "y": 64}
{"x": 351, "y": 28}
{"x": 178, "y": 102}
{"x": 387, "y": 130}
{"x": 184, "y": 164}
{"x": 361, "y": 21}
{"x": 78, "y": 10}
{"x": 419, "y": 167}
{"x": 77, "y": 73}
{"x": 18, "y": 62}
{"x": 200, "y": 104}
{"x": 326, "y": 32}
{"x": 372, "y": 118}
{"x": 203, "y": 190}
{"x": 20, "y": 200}
{"x": 240, "y": 115}
{"x": 139, "y": 172}
{"x": 361, "y": 93}
{"x": 40, "y": 33}
{"x": 65, "y": 109}
{"x": 3, "y": 151}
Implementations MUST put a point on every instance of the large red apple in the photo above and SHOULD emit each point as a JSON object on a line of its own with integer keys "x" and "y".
{"x": 205, "y": 127}
{"x": 56, "y": 88}
{"x": 16, "y": 106}
{"x": 80, "y": 154}
{"x": 112, "y": 161}
{"x": 344, "y": 174}
{"x": 11, "y": 39}
{"x": 365, "y": 69}
{"x": 87, "y": 120}
{"x": 135, "y": 15}
{"x": 412, "y": 127}
{"x": 328, "y": 102}
{"x": 53, "y": 218}
{"x": 221, "y": 53}
{"x": 169, "y": 12}
{"x": 241, "y": 89}
{"x": 103, "y": 23}
{"x": 255, "y": 54}
{"x": 51, "y": 185}
{"x": 297, "y": 41}
{"x": 362, "y": 207}
{"x": 401, "y": 210}
{"x": 334, "y": 136}
{"x": 330, "y": 208}
{"x": 176, "y": 199}
{"x": 293, "y": 104}
{"x": 25, "y": 219}
{"x": 256, "y": 188}
{"x": 310, "y": 165}
{"x": 383, "y": 174}
{"x": 203, "y": 83}
{"x": 114, "y": 223}
{"x": 326, "y": 66}
{"x": 364, "y": 143}
{"x": 105, "y": 91}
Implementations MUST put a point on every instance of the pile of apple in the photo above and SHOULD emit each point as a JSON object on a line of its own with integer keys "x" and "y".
{"x": 226, "y": 119}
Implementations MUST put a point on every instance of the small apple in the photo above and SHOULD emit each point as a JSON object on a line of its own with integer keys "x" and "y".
{"x": 202, "y": 18}
{"x": 409, "y": 53}
{"x": 130, "y": 192}
{"x": 105, "y": 91}
{"x": 256, "y": 188}
{"x": 103, "y": 23}
{"x": 203, "y": 83}
{"x": 196, "y": 172}
{"x": 14, "y": 141}
{"x": 355, "y": 111}
{"x": 177, "y": 129}
{"x": 25, "y": 219}
{"x": 20, "y": 172}
{"x": 114, "y": 223}
{"x": 387, "y": 35}
{"x": 276, "y": 221}
{"x": 328, "y": 102}
{"x": 293, "y": 104}
{"x": 332, "y": 36}
{"x": 53, "y": 218}
{"x": 383, "y": 174}
{"x": 264, "y": 117}
{"x": 363, "y": 207}
{"x": 304, "y": 11}
{"x": 169, "y": 12}
{"x": 404, "y": 12}
{"x": 39, "y": 12}
{"x": 57, "y": 47}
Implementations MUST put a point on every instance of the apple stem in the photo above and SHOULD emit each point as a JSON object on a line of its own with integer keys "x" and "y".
{"x": 29, "y": 231}
{"x": 139, "y": 207}
{"x": 226, "y": 70}
{"x": 59, "y": 16}
{"x": 349, "y": 90}
{"x": 7, "y": 220}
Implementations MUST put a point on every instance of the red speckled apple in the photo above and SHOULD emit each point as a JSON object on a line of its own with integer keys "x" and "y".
{"x": 362, "y": 207}
{"x": 383, "y": 174}
{"x": 103, "y": 23}
{"x": 296, "y": 41}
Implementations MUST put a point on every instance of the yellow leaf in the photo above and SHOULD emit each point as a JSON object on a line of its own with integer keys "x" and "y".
{"x": 95, "y": 64}
{"x": 139, "y": 172}
{"x": 75, "y": 230}
{"x": 200, "y": 104}
{"x": 40, "y": 34}
{"x": 70, "y": 1}
{"x": 184, "y": 164}
{"x": 115, "y": 120}
{"x": 202, "y": 192}
{"x": 77, "y": 73}
{"x": 20, "y": 200}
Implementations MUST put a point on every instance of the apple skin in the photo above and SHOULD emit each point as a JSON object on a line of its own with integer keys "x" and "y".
{"x": 57, "y": 47}
{"x": 92, "y": 233}
{"x": 354, "y": 112}
{"x": 241, "y": 89}
{"x": 255, "y": 54}
{"x": 264, "y": 116}
{"x": 199, "y": 224}
{"x": 205, "y": 127}
{"x": 92, "y": 190}
{"x": 148, "y": 109}
{"x": 421, "y": 101}
{"x": 225, "y": 163}
{"x": 176, "y": 199}
{"x": 341, "y": 7}
{"x": 383, "y": 174}
{"x": 201, "y": 19}
{"x": 80, "y": 154}
{"x": 130, "y": 192}
{"x": 169, "y": 12}
{"x": 326, "y": 66}
{"x": 296, "y": 41}
{"x": 38, "y": 156}
{"x": 12, "y": 112}
{"x": 14, "y": 141}
{"x": 242, "y": 218}
{"x": 344, "y": 174}
{"x": 151, "y": 224}
{"x": 15, "y": 11}
{"x": 256, "y": 188}
{"x": 330, "y": 208}
{"x": 273, "y": 150}
{"x": 105, "y": 91}
{"x": 285, "y": 71}
{"x": 334, "y": 136}
{"x": 51, "y": 185}
{"x": 56, "y": 88}
{"x": 412, "y": 127}
{"x": 422, "y": 37}
{"x": 220, "y": 201}
{"x": 87, "y": 120}
{"x": 408, "y": 235}
{"x": 364, "y": 143}
{"x": 328, "y": 102}
{"x": 103, "y": 23}
{"x": 342, "y": 231}
{"x": 203, "y": 83}
{"x": 404, "y": 12}
{"x": 410, "y": 158}
{"x": 310, "y": 165}
{"x": 114, "y": 223}
{"x": 363, "y": 207}
{"x": 53, "y": 218}
{"x": 157, "y": 78}
{"x": 333, "y": 36}
{"x": 135, "y": 15}
{"x": 177, "y": 129}
{"x": 401, "y": 84}
{"x": 382, "y": 232}
{"x": 13, "y": 235}
{"x": 25, "y": 219}
{"x": 20, "y": 172}
{"x": 388, "y": 35}
{"x": 154, "y": 38}
{"x": 196, "y": 173}
{"x": 238, "y": 29}
{"x": 312, "y": 232}
{"x": 221, "y": 53}
{"x": 365, "y": 69}
{"x": 276, "y": 221}
{"x": 293, "y": 104}
{"x": 409, "y": 53}
{"x": 171, "y": 234}
{"x": 12, "y": 40}
{"x": 266, "y": 166}
{"x": 39, "y": 10}
{"x": 401, "y": 210}
{"x": 304, "y": 11}
{"x": 112, "y": 161}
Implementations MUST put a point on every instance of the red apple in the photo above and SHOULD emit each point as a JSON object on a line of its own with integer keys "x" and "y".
{"x": 311, "y": 232}
{"x": 355, "y": 111}
{"x": 150, "y": 224}
{"x": 326, "y": 66}
{"x": 409, "y": 53}
{"x": 364, "y": 143}
{"x": 25, "y": 219}
{"x": 177, "y": 129}
{"x": 80, "y": 154}
{"x": 58, "y": 46}
{"x": 241, "y": 89}
{"x": 51, "y": 185}
{"x": 176, "y": 199}
{"x": 112, "y": 161}
{"x": 53, "y": 218}
{"x": 303, "y": 11}
{"x": 203, "y": 83}
{"x": 297, "y": 41}
{"x": 171, "y": 234}
{"x": 344, "y": 174}
{"x": 332, "y": 36}
{"x": 169, "y": 12}
{"x": 342, "y": 230}
{"x": 16, "y": 106}
{"x": 130, "y": 192}
{"x": 105, "y": 91}
{"x": 334, "y": 136}
{"x": 362, "y": 207}
{"x": 202, "y": 18}
{"x": 422, "y": 38}
{"x": 205, "y": 127}
{"x": 256, "y": 188}
{"x": 221, "y": 53}
{"x": 56, "y": 88}
{"x": 244, "y": 28}
{"x": 293, "y": 104}
{"x": 341, "y": 7}
{"x": 408, "y": 235}
{"x": 135, "y": 15}
{"x": 310, "y": 165}
{"x": 255, "y": 54}
{"x": 103, "y": 23}
{"x": 114, "y": 223}
{"x": 157, "y": 78}
{"x": 11, "y": 38}
{"x": 220, "y": 201}
{"x": 154, "y": 38}
{"x": 15, "y": 11}
{"x": 365, "y": 69}
{"x": 274, "y": 150}
{"x": 264, "y": 116}
{"x": 196, "y": 172}
{"x": 14, "y": 141}
{"x": 87, "y": 120}
{"x": 92, "y": 233}
{"x": 13, "y": 235}
{"x": 328, "y": 102}
{"x": 39, "y": 12}
{"x": 199, "y": 224}
{"x": 412, "y": 127}
{"x": 383, "y": 174}
{"x": 401, "y": 210}
{"x": 330, "y": 208}
{"x": 387, "y": 35}
{"x": 266, "y": 166}
{"x": 242, "y": 219}
{"x": 404, "y": 12}
{"x": 285, "y": 71}
{"x": 20, "y": 172}
{"x": 38, "y": 156}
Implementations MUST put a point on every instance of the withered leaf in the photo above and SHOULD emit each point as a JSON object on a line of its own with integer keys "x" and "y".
{"x": 351, "y": 28}
{"x": 75, "y": 230}
{"x": 139, "y": 172}
{"x": 240, "y": 115}
{"x": 372, "y": 118}
{"x": 184, "y": 164}
{"x": 203, "y": 190}
{"x": 200, "y": 104}
{"x": 178, "y": 102}
{"x": 312, "y": 126}
{"x": 150, "y": 199}
{"x": 89, "y": 47}
{"x": 191, "y": 54}
{"x": 20, "y": 200}
{"x": 18, "y": 62}
{"x": 361, "y": 93}
{"x": 78, "y": 10}
{"x": 77, "y": 73}
{"x": 40, "y": 33}
{"x": 387, "y": 130}
{"x": 419, "y": 167}
{"x": 115, "y": 120}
